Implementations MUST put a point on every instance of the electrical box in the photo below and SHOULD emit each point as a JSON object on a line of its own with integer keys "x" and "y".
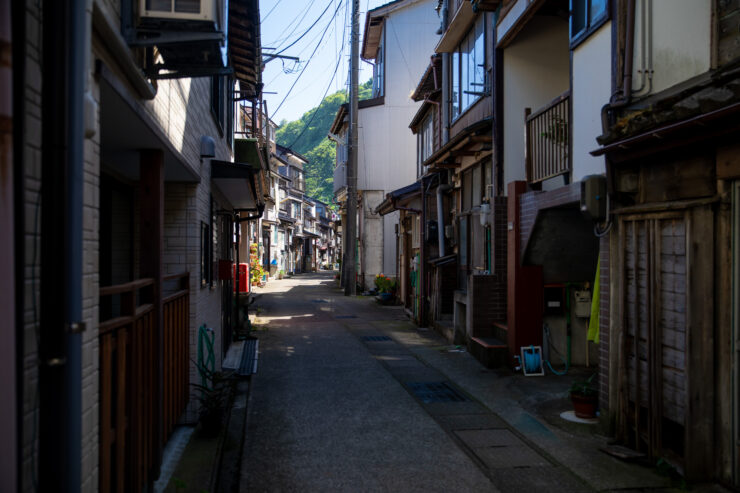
{"x": 554, "y": 299}
{"x": 593, "y": 197}
{"x": 582, "y": 303}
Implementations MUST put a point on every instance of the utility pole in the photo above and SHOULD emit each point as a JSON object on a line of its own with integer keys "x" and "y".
{"x": 350, "y": 285}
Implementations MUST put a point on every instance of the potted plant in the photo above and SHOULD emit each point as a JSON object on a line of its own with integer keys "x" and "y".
{"x": 584, "y": 398}
{"x": 385, "y": 286}
{"x": 281, "y": 274}
{"x": 213, "y": 396}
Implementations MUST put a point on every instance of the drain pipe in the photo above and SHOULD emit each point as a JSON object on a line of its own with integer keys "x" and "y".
{"x": 445, "y": 78}
{"x": 626, "y": 93}
{"x": 441, "y": 190}
{"x": 60, "y": 375}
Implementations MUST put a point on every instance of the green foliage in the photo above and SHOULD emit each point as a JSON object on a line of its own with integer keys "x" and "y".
{"x": 584, "y": 387}
{"x": 307, "y": 136}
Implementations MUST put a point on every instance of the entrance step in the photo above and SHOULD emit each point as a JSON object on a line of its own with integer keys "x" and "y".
{"x": 490, "y": 351}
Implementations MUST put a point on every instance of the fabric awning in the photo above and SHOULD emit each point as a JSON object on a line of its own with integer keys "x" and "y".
{"x": 237, "y": 182}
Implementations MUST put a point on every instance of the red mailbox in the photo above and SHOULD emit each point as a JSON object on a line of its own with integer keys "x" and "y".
{"x": 243, "y": 278}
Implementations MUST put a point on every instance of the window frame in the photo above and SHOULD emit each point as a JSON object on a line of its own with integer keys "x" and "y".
{"x": 378, "y": 86}
{"x": 460, "y": 78}
{"x": 590, "y": 26}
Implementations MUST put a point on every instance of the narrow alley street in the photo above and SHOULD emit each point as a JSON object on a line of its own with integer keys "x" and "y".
{"x": 338, "y": 404}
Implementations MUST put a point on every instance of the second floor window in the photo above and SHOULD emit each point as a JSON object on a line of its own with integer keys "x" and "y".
{"x": 426, "y": 141}
{"x": 469, "y": 69}
{"x": 585, "y": 15}
{"x": 218, "y": 103}
{"x": 379, "y": 70}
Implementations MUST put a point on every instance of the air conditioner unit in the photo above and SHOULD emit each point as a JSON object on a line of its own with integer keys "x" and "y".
{"x": 193, "y": 10}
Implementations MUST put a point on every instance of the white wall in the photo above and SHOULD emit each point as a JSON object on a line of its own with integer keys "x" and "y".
{"x": 536, "y": 70}
{"x": 591, "y": 90}
{"x": 681, "y": 40}
{"x": 387, "y": 154}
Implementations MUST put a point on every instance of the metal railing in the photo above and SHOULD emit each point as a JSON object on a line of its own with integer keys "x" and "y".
{"x": 547, "y": 140}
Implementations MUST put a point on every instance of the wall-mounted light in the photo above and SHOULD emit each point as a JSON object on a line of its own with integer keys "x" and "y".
{"x": 207, "y": 147}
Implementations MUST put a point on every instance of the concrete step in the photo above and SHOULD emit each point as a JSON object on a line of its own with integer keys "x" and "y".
{"x": 490, "y": 351}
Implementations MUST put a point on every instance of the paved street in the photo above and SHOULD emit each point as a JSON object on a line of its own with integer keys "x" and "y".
{"x": 338, "y": 405}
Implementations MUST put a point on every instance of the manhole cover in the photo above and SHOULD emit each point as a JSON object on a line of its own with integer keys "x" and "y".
{"x": 376, "y": 338}
{"x": 345, "y": 316}
{"x": 429, "y": 392}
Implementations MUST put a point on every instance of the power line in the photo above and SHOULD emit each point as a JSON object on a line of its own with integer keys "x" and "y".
{"x": 270, "y": 12}
{"x": 297, "y": 21}
{"x": 336, "y": 68}
{"x": 307, "y": 30}
{"x": 307, "y": 62}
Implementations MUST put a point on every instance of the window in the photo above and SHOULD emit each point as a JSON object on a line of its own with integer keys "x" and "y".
{"x": 379, "y": 69}
{"x": 426, "y": 141}
{"x": 218, "y": 104}
{"x": 469, "y": 74}
{"x": 585, "y": 17}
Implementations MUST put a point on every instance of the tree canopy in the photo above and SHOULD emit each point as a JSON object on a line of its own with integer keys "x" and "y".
{"x": 307, "y": 136}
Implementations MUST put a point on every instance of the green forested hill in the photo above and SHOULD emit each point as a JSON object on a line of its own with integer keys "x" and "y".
{"x": 307, "y": 136}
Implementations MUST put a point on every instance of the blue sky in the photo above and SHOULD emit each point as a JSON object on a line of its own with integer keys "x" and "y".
{"x": 283, "y": 21}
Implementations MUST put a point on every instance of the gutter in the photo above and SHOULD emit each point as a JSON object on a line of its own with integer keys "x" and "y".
{"x": 626, "y": 95}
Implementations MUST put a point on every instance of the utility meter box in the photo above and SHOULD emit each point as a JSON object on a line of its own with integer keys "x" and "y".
{"x": 593, "y": 197}
{"x": 582, "y": 302}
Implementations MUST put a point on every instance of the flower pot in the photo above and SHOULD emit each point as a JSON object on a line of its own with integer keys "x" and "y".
{"x": 584, "y": 406}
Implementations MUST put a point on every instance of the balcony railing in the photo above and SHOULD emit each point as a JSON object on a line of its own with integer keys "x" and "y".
{"x": 547, "y": 143}
{"x": 129, "y": 386}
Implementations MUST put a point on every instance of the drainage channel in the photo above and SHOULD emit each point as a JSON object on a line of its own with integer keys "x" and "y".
{"x": 509, "y": 460}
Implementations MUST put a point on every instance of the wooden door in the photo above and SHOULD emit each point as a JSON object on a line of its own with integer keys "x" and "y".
{"x": 665, "y": 372}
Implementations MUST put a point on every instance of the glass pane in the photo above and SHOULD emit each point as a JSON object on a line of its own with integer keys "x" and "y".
{"x": 577, "y": 17}
{"x": 598, "y": 8}
{"x": 464, "y": 76}
{"x": 480, "y": 56}
{"x": 162, "y": 5}
{"x": 455, "y": 84}
{"x": 187, "y": 6}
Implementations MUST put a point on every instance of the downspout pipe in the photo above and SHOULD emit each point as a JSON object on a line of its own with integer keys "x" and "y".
{"x": 441, "y": 190}
{"x": 626, "y": 93}
{"x": 60, "y": 405}
{"x": 77, "y": 74}
{"x": 445, "y": 113}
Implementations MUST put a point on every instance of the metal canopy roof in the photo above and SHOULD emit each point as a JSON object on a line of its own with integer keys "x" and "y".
{"x": 237, "y": 182}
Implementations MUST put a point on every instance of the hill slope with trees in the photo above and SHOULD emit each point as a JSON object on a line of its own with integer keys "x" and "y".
{"x": 307, "y": 136}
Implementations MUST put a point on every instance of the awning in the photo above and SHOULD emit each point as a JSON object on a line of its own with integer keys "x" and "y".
{"x": 473, "y": 136}
{"x": 237, "y": 181}
{"x": 245, "y": 52}
{"x": 390, "y": 203}
{"x": 247, "y": 151}
{"x": 458, "y": 28}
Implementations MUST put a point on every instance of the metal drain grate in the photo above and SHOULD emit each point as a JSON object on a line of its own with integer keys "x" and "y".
{"x": 376, "y": 338}
{"x": 345, "y": 316}
{"x": 429, "y": 392}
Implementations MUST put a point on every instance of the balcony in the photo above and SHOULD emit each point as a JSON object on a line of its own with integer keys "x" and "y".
{"x": 547, "y": 144}
{"x": 340, "y": 177}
